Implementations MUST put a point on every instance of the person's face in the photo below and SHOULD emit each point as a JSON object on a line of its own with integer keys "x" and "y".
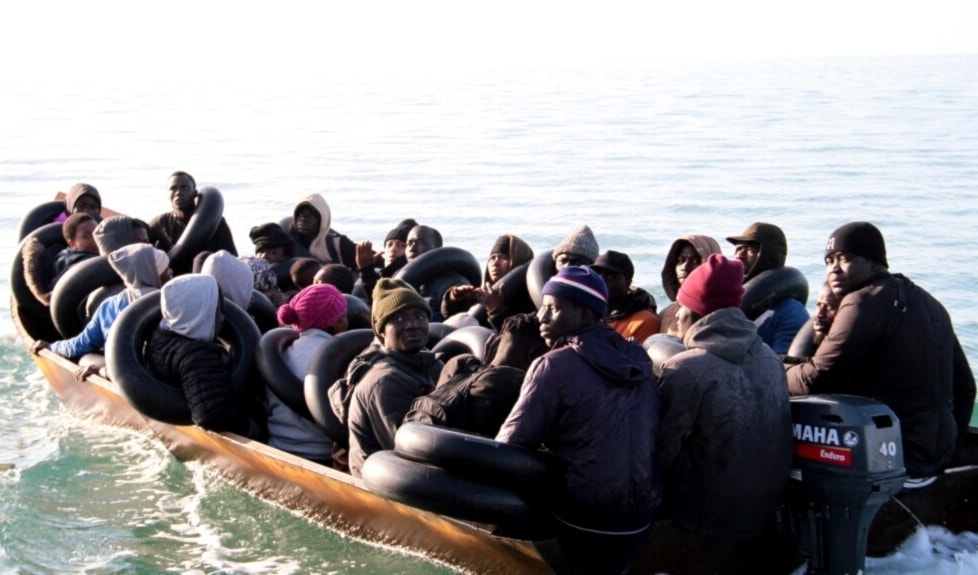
{"x": 747, "y": 252}
{"x": 558, "y": 318}
{"x": 825, "y": 307}
{"x": 499, "y": 265}
{"x": 393, "y": 249}
{"x": 846, "y": 272}
{"x": 407, "y": 331}
{"x": 687, "y": 261}
{"x": 272, "y": 255}
{"x": 182, "y": 192}
{"x": 140, "y": 235}
{"x": 84, "y": 239}
{"x": 307, "y": 222}
{"x": 617, "y": 283}
{"x": 564, "y": 260}
{"x": 419, "y": 241}
{"x": 684, "y": 320}
{"x": 87, "y": 204}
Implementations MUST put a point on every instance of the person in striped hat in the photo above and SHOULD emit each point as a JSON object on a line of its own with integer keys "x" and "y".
{"x": 593, "y": 401}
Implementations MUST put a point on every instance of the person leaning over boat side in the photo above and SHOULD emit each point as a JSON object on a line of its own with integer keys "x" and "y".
{"x": 893, "y": 342}
{"x": 592, "y": 400}
{"x": 631, "y": 310}
{"x": 478, "y": 397}
{"x": 372, "y": 266}
{"x": 508, "y": 252}
{"x": 400, "y": 370}
{"x": 685, "y": 255}
{"x": 579, "y": 248}
{"x": 143, "y": 270}
{"x": 166, "y": 228}
{"x": 317, "y": 312}
{"x": 313, "y": 236}
{"x": 183, "y": 352}
{"x": 763, "y": 247}
{"x": 724, "y": 446}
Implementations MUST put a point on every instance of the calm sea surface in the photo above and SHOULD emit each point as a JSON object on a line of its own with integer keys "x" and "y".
{"x": 641, "y": 155}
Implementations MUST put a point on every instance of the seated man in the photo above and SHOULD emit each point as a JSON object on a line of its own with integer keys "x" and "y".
{"x": 166, "y": 228}
{"x": 77, "y": 231}
{"x": 182, "y": 351}
{"x": 759, "y": 248}
{"x": 373, "y": 266}
{"x": 143, "y": 270}
{"x": 580, "y": 248}
{"x": 631, "y": 310}
{"x": 891, "y": 341}
{"x": 477, "y": 397}
{"x": 685, "y": 255}
{"x": 400, "y": 370}
{"x": 593, "y": 402}
{"x": 312, "y": 234}
{"x": 725, "y": 444}
{"x": 82, "y": 199}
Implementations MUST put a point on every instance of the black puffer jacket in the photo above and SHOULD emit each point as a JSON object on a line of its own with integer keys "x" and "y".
{"x": 204, "y": 371}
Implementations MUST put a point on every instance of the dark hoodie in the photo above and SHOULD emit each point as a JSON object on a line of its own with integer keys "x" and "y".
{"x": 76, "y": 192}
{"x": 593, "y": 402}
{"x": 773, "y": 247}
{"x": 704, "y": 246}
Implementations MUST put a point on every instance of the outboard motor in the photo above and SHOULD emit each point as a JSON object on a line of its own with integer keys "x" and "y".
{"x": 848, "y": 462}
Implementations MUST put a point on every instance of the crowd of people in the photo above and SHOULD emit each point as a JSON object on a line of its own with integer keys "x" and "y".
{"x": 707, "y": 444}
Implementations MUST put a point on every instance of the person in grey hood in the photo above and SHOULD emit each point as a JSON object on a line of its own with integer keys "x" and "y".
{"x": 143, "y": 270}
{"x": 115, "y": 232}
{"x": 593, "y": 402}
{"x": 182, "y": 351}
{"x": 233, "y": 276}
{"x": 725, "y": 443}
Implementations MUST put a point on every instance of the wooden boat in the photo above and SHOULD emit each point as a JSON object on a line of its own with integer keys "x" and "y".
{"x": 343, "y": 504}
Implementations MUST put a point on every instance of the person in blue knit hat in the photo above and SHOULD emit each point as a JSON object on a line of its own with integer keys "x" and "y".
{"x": 593, "y": 401}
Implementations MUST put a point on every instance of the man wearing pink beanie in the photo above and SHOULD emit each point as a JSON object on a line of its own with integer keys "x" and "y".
{"x": 724, "y": 446}
{"x": 317, "y": 312}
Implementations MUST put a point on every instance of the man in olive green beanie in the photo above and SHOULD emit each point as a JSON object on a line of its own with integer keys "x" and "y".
{"x": 400, "y": 370}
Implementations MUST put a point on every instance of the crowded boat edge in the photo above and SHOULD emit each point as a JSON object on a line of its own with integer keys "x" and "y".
{"x": 538, "y": 414}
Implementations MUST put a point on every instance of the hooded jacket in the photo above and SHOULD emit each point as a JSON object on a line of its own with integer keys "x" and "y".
{"x": 76, "y": 192}
{"x": 593, "y": 402}
{"x": 113, "y": 233}
{"x": 725, "y": 444}
{"x": 136, "y": 264}
{"x": 634, "y": 317}
{"x": 520, "y": 252}
{"x": 233, "y": 276}
{"x": 892, "y": 341}
{"x": 182, "y": 352}
{"x": 328, "y": 246}
{"x": 383, "y": 396}
{"x": 704, "y": 246}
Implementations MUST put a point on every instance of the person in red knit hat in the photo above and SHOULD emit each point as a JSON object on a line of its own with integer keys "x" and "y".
{"x": 724, "y": 445}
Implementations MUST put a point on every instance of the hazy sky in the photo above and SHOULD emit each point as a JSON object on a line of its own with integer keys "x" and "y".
{"x": 139, "y": 39}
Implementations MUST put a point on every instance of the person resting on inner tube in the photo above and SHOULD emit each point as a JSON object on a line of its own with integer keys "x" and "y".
{"x": 313, "y": 236}
{"x": 373, "y": 266}
{"x": 478, "y": 397}
{"x": 165, "y": 229}
{"x": 422, "y": 239}
{"x": 77, "y": 231}
{"x": 592, "y": 400}
{"x": 317, "y": 312}
{"x": 82, "y": 198}
{"x": 759, "y": 248}
{"x": 143, "y": 270}
{"x": 685, "y": 255}
{"x": 508, "y": 252}
{"x": 183, "y": 352}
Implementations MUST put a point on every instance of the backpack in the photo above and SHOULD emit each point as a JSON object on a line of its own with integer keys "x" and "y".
{"x": 340, "y": 393}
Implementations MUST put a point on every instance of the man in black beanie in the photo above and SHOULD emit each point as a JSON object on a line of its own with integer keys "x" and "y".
{"x": 373, "y": 265}
{"x": 893, "y": 342}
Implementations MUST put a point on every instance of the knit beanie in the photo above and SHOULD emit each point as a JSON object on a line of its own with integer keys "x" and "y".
{"x": 391, "y": 296}
{"x": 581, "y": 285}
{"x": 860, "y": 238}
{"x": 269, "y": 236}
{"x": 717, "y": 283}
{"x": 581, "y": 243}
{"x": 315, "y": 307}
{"x": 401, "y": 231}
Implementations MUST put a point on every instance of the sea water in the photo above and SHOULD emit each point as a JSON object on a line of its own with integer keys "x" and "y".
{"x": 641, "y": 154}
